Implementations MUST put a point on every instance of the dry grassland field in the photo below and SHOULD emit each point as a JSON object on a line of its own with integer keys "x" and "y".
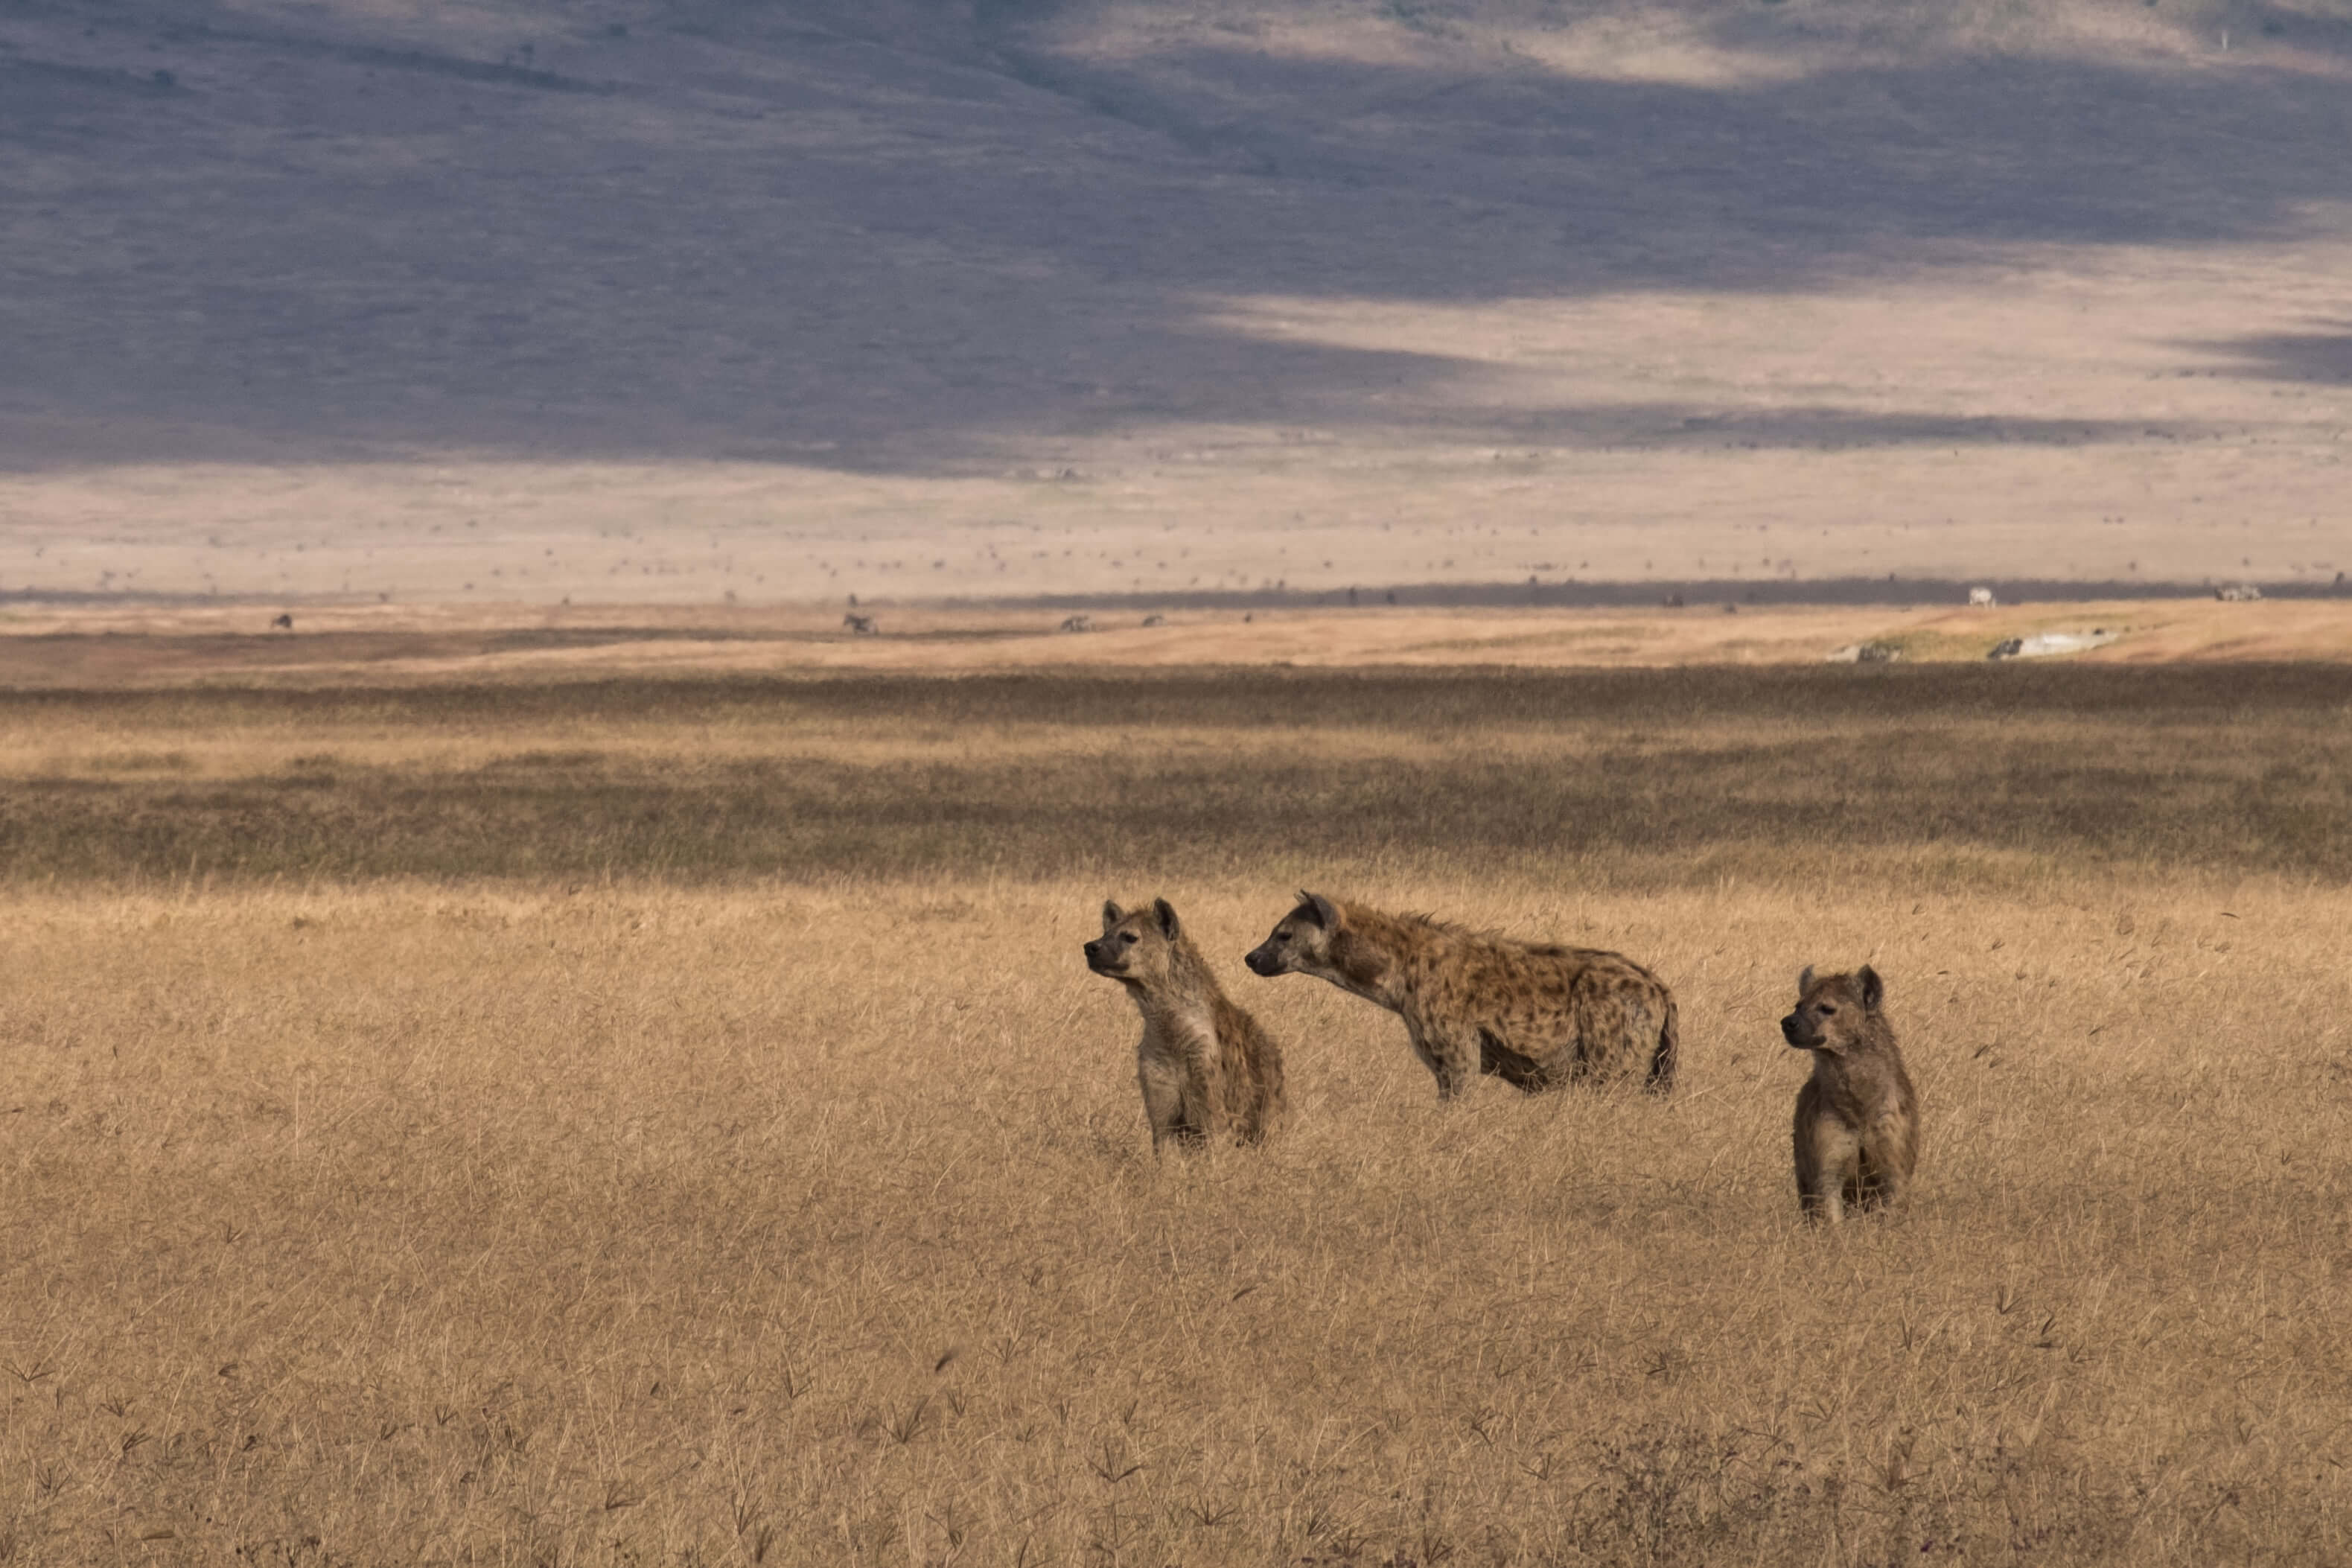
{"x": 638, "y": 1122}
{"x": 569, "y": 1054}
{"x": 156, "y": 647}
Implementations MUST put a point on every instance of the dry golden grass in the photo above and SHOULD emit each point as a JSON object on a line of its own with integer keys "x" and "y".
{"x": 156, "y": 647}
{"x": 368, "y": 1207}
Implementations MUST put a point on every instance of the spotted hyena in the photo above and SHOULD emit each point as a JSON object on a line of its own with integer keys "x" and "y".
{"x": 1857, "y": 1128}
{"x": 1207, "y": 1069}
{"x": 1533, "y": 1014}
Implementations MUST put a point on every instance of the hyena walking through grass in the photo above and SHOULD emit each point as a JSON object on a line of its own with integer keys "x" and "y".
{"x": 1533, "y": 1014}
{"x": 1207, "y": 1069}
{"x": 1857, "y": 1127}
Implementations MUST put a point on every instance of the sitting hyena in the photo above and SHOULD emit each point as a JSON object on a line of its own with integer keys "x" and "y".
{"x": 1857, "y": 1132}
{"x": 1532, "y": 1014}
{"x": 1207, "y": 1069}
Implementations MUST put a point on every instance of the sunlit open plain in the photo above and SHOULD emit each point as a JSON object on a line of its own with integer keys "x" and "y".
{"x": 162, "y": 648}
{"x": 669, "y": 1122}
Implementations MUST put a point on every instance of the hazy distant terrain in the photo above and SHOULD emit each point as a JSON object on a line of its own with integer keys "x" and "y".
{"x": 626, "y": 301}
{"x": 145, "y": 647}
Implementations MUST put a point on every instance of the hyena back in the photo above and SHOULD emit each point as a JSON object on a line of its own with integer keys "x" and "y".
{"x": 1206, "y": 1067}
{"x": 1857, "y": 1124}
{"x": 1535, "y": 1015}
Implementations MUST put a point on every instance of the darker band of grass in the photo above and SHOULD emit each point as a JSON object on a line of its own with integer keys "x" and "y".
{"x": 1768, "y": 775}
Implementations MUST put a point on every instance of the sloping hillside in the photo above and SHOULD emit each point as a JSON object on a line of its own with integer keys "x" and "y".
{"x": 1289, "y": 265}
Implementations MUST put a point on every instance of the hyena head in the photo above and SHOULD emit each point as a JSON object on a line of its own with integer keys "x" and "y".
{"x": 1138, "y": 947}
{"x": 1833, "y": 1011}
{"x": 1302, "y": 942}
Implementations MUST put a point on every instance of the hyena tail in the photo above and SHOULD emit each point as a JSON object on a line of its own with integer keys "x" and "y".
{"x": 1668, "y": 1055}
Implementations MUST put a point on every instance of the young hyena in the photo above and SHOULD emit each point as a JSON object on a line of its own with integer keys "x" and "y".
{"x": 1532, "y": 1014}
{"x": 1857, "y": 1132}
{"x": 1208, "y": 1070}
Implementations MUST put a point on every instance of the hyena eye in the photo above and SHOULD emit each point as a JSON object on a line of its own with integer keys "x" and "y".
{"x": 1828, "y": 1009}
{"x": 1126, "y": 939}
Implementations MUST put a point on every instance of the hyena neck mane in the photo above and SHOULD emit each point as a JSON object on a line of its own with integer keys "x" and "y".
{"x": 1866, "y": 1070}
{"x": 1188, "y": 994}
{"x": 1374, "y": 953}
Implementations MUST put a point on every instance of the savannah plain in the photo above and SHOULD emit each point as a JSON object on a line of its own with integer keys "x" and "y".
{"x": 567, "y": 1055}
{"x": 671, "y": 1121}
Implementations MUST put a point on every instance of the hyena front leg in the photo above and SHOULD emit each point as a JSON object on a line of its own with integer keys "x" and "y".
{"x": 1421, "y": 1048}
{"x": 1204, "y": 1103}
{"x": 1453, "y": 1057}
{"x": 1163, "y": 1102}
{"x": 1822, "y": 1180}
{"x": 1883, "y": 1184}
{"x": 1825, "y": 1204}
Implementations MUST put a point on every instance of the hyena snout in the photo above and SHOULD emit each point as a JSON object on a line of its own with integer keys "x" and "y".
{"x": 1104, "y": 956}
{"x": 1801, "y": 1032}
{"x": 1262, "y": 960}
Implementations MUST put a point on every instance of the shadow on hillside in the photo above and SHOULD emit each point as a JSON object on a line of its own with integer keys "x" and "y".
{"x": 808, "y": 246}
{"x": 1673, "y": 426}
{"x": 2324, "y": 356}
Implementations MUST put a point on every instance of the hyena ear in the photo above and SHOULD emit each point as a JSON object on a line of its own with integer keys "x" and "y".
{"x": 1319, "y": 909}
{"x": 1873, "y": 990}
{"x": 1112, "y": 914}
{"x": 1805, "y": 981}
{"x": 1167, "y": 914}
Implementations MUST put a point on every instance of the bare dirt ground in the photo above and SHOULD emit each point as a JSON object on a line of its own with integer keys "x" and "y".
{"x": 621, "y": 303}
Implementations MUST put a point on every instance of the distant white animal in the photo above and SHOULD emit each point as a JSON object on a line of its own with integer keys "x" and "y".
{"x": 1982, "y": 598}
{"x": 2237, "y": 594}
